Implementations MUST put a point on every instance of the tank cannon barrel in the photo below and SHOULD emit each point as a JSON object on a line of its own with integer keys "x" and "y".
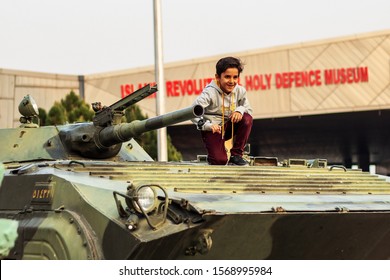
{"x": 104, "y": 137}
{"x": 119, "y": 133}
{"x": 104, "y": 142}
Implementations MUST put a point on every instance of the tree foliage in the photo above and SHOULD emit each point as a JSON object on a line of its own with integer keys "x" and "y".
{"x": 42, "y": 116}
{"x": 56, "y": 115}
{"x": 71, "y": 109}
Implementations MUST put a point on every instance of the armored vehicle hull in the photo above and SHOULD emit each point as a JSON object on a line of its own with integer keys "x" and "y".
{"x": 68, "y": 210}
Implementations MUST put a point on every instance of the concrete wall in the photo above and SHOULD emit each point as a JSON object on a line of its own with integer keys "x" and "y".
{"x": 44, "y": 88}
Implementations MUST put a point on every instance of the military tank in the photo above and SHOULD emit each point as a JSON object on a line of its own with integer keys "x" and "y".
{"x": 89, "y": 191}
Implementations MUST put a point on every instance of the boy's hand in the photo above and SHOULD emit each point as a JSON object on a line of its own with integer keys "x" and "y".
{"x": 236, "y": 117}
{"x": 216, "y": 128}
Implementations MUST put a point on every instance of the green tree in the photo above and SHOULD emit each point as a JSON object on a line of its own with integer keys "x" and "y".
{"x": 173, "y": 153}
{"x": 56, "y": 115}
{"x": 42, "y": 116}
{"x": 76, "y": 109}
{"x": 70, "y": 109}
{"x": 148, "y": 140}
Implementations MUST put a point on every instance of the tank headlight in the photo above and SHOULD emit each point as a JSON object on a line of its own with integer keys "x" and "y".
{"x": 144, "y": 199}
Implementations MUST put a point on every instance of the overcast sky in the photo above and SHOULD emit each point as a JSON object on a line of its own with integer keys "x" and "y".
{"x": 93, "y": 36}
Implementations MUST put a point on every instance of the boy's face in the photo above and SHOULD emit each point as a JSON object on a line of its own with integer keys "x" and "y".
{"x": 228, "y": 79}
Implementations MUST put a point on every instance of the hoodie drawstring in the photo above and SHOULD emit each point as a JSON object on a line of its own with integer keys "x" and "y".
{"x": 232, "y": 108}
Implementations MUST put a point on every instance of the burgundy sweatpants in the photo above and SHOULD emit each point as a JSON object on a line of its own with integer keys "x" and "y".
{"x": 215, "y": 145}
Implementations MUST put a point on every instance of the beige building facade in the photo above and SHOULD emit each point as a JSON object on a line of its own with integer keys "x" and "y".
{"x": 44, "y": 88}
{"x": 337, "y": 75}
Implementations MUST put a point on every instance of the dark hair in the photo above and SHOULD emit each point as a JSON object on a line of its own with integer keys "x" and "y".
{"x": 229, "y": 62}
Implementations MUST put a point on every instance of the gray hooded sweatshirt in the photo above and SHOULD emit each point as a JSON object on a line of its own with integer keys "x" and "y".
{"x": 211, "y": 99}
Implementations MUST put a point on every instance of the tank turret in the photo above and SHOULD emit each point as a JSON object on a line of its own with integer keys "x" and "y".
{"x": 100, "y": 139}
{"x": 104, "y": 137}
